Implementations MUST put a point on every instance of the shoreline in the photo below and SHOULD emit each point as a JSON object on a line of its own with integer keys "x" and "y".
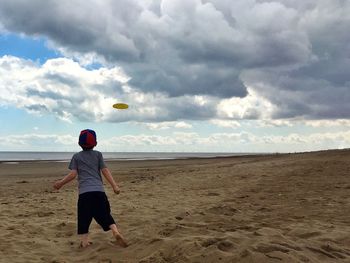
{"x": 126, "y": 159}
{"x": 123, "y": 159}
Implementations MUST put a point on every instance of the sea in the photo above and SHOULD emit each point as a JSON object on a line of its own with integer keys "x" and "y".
{"x": 66, "y": 156}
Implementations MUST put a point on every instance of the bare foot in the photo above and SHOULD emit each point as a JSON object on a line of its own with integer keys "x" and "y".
{"x": 85, "y": 244}
{"x": 120, "y": 239}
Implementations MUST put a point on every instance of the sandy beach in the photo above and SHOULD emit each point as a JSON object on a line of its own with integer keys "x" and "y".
{"x": 273, "y": 208}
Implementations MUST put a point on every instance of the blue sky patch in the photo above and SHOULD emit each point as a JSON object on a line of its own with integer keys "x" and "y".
{"x": 26, "y": 47}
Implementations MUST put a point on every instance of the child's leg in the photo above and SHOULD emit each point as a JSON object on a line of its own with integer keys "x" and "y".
{"x": 84, "y": 219}
{"x": 103, "y": 217}
{"x": 118, "y": 237}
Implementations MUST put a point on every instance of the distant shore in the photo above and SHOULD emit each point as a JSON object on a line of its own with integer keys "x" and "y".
{"x": 122, "y": 156}
{"x": 254, "y": 208}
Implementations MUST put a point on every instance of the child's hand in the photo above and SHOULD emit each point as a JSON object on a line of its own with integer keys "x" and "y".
{"x": 57, "y": 185}
{"x": 116, "y": 189}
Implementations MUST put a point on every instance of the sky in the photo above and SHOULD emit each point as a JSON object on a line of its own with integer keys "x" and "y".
{"x": 198, "y": 75}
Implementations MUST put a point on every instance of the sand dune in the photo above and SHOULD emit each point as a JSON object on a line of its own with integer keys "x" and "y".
{"x": 277, "y": 208}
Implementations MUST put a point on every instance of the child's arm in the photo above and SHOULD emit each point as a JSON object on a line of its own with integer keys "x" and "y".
{"x": 69, "y": 177}
{"x": 107, "y": 174}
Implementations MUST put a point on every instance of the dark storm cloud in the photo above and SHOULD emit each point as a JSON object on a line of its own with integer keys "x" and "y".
{"x": 79, "y": 25}
{"x": 191, "y": 80}
{"x": 293, "y": 53}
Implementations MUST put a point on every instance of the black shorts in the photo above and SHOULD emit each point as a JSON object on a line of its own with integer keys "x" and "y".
{"x": 93, "y": 205}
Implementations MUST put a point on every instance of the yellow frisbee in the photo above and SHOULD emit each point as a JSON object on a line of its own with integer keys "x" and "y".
{"x": 120, "y": 106}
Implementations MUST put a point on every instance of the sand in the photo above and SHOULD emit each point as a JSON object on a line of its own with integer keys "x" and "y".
{"x": 274, "y": 208}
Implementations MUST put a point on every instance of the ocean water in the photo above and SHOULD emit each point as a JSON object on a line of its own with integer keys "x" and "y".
{"x": 66, "y": 156}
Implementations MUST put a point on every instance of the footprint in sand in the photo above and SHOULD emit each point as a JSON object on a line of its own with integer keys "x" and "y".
{"x": 155, "y": 240}
{"x": 61, "y": 225}
{"x": 268, "y": 248}
{"x": 290, "y": 246}
{"x": 22, "y": 182}
{"x": 169, "y": 231}
{"x": 302, "y": 232}
{"x": 182, "y": 215}
{"x": 274, "y": 251}
{"x": 321, "y": 251}
{"x": 212, "y": 194}
{"x": 209, "y": 242}
{"x": 105, "y": 261}
{"x": 330, "y": 252}
{"x": 45, "y": 214}
{"x": 264, "y": 209}
{"x": 333, "y": 249}
{"x": 223, "y": 210}
{"x": 309, "y": 235}
{"x": 225, "y": 245}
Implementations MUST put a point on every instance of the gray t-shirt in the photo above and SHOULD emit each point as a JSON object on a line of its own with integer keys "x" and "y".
{"x": 88, "y": 164}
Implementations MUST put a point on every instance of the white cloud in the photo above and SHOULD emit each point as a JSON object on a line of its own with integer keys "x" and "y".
{"x": 185, "y": 141}
{"x": 186, "y": 138}
{"x": 139, "y": 140}
{"x": 60, "y": 87}
{"x": 277, "y": 123}
{"x": 232, "y": 142}
{"x": 328, "y": 123}
{"x": 168, "y": 125}
{"x": 64, "y": 88}
{"x": 226, "y": 123}
{"x": 253, "y": 106}
{"x": 302, "y": 122}
{"x": 42, "y": 142}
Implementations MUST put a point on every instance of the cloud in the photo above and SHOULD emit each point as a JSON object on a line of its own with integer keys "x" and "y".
{"x": 252, "y": 106}
{"x": 307, "y": 123}
{"x": 168, "y": 125}
{"x": 60, "y": 87}
{"x": 328, "y": 123}
{"x": 226, "y": 123}
{"x": 230, "y": 142}
{"x": 38, "y": 141}
{"x": 293, "y": 54}
{"x": 65, "y": 89}
{"x": 183, "y": 141}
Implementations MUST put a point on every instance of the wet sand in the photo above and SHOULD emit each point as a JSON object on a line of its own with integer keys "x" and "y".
{"x": 274, "y": 208}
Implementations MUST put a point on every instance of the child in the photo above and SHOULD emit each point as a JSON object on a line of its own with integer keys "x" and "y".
{"x": 92, "y": 202}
